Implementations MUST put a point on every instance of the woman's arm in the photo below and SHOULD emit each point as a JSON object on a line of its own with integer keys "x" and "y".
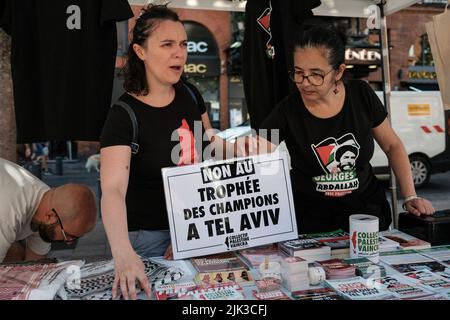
{"x": 114, "y": 173}
{"x": 243, "y": 147}
{"x": 393, "y": 147}
{"x": 222, "y": 148}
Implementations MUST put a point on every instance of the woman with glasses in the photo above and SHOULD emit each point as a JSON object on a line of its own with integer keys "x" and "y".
{"x": 329, "y": 126}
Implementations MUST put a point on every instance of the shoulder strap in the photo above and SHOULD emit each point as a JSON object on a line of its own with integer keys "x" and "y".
{"x": 134, "y": 143}
{"x": 194, "y": 97}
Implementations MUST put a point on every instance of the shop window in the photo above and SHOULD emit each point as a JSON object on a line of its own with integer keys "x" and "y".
{"x": 234, "y": 51}
{"x": 421, "y": 70}
{"x": 420, "y": 52}
{"x": 236, "y": 101}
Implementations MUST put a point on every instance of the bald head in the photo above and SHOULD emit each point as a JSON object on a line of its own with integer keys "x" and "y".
{"x": 76, "y": 206}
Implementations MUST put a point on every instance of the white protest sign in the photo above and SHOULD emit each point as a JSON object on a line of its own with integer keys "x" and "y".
{"x": 229, "y": 205}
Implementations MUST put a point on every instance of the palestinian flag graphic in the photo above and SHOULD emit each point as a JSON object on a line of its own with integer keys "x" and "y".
{"x": 264, "y": 20}
{"x": 337, "y": 155}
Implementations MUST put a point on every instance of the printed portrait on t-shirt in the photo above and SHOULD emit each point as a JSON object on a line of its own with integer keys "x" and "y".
{"x": 337, "y": 158}
{"x": 346, "y": 157}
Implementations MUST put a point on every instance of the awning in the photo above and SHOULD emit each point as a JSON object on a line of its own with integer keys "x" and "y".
{"x": 337, "y": 8}
{"x": 358, "y": 8}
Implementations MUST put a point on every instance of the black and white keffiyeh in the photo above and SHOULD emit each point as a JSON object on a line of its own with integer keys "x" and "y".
{"x": 97, "y": 279}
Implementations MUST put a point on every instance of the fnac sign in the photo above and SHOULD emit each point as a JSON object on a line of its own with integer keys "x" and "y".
{"x": 203, "y": 54}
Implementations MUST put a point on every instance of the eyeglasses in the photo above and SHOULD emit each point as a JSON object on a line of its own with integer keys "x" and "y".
{"x": 315, "y": 79}
{"x": 67, "y": 237}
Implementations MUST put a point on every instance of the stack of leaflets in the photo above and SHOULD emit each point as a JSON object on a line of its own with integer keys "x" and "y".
{"x": 267, "y": 284}
{"x": 174, "y": 291}
{"x": 401, "y": 287}
{"x": 270, "y": 295}
{"x": 294, "y": 273}
{"x": 337, "y": 269}
{"x": 294, "y": 265}
{"x": 338, "y": 241}
{"x": 405, "y": 240}
{"x": 191, "y": 291}
{"x": 253, "y": 257}
{"x": 227, "y": 292}
{"x": 316, "y": 294}
{"x": 358, "y": 288}
{"x": 410, "y": 260}
{"x": 386, "y": 244}
{"x": 366, "y": 268}
{"x": 306, "y": 248}
{"x": 430, "y": 280}
{"x": 440, "y": 253}
{"x": 221, "y": 269}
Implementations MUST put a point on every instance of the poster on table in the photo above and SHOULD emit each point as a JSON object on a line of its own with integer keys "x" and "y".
{"x": 229, "y": 205}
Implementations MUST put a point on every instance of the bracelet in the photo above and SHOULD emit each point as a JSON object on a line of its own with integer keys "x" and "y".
{"x": 407, "y": 199}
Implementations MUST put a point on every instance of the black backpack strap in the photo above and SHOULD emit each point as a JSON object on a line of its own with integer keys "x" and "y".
{"x": 191, "y": 92}
{"x": 134, "y": 143}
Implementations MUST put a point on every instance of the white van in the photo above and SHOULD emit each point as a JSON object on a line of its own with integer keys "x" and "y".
{"x": 420, "y": 121}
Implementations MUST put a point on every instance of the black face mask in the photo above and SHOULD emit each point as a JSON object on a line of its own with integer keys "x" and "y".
{"x": 46, "y": 231}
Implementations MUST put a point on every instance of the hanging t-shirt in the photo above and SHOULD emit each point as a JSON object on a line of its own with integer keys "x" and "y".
{"x": 20, "y": 195}
{"x": 270, "y": 30}
{"x": 160, "y": 131}
{"x": 63, "y": 59}
{"x": 330, "y": 157}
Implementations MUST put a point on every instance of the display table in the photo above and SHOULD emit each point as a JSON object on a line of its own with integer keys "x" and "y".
{"x": 428, "y": 269}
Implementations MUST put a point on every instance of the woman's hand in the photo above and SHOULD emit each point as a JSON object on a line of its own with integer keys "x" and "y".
{"x": 129, "y": 268}
{"x": 168, "y": 255}
{"x": 418, "y": 206}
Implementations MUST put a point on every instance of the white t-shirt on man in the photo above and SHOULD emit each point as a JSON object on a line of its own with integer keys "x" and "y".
{"x": 20, "y": 195}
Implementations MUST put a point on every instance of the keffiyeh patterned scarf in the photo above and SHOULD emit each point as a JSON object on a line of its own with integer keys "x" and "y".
{"x": 97, "y": 279}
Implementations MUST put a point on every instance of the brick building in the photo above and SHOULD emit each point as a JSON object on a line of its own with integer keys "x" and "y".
{"x": 406, "y": 29}
{"x": 411, "y": 62}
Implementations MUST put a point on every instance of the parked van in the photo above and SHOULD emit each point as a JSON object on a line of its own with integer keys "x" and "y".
{"x": 419, "y": 120}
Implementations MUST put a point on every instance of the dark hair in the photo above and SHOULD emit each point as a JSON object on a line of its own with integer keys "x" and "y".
{"x": 135, "y": 80}
{"x": 324, "y": 37}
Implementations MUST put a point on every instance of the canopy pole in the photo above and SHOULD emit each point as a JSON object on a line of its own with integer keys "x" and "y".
{"x": 386, "y": 78}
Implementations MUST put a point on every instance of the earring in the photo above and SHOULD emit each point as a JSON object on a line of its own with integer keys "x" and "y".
{"x": 336, "y": 90}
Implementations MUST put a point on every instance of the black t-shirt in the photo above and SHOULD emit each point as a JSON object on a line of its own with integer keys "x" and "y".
{"x": 270, "y": 30}
{"x": 63, "y": 59}
{"x": 158, "y": 136}
{"x": 330, "y": 158}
